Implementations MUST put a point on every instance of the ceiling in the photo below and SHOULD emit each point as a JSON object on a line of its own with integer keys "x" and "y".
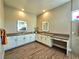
{"x": 35, "y": 6}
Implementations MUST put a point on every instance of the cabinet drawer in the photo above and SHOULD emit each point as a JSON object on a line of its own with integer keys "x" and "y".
{"x": 38, "y": 37}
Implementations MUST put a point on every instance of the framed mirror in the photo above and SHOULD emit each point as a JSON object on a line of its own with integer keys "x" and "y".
{"x": 21, "y": 26}
{"x": 45, "y": 26}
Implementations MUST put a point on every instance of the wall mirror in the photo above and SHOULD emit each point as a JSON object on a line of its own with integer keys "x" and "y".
{"x": 21, "y": 26}
{"x": 45, "y": 26}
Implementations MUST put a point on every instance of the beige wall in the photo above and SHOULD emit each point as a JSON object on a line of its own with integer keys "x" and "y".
{"x": 75, "y": 37}
{"x": 11, "y": 17}
{"x": 58, "y": 18}
{"x": 1, "y": 14}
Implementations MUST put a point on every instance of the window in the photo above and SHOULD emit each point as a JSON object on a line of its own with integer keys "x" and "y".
{"x": 75, "y": 15}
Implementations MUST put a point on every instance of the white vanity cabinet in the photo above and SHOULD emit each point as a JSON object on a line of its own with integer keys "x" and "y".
{"x": 45, "y": 40}
{"x": 16, "y": 41}
{"x": 24, "y": 39}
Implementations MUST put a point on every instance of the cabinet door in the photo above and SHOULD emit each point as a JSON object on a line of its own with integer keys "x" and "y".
{"x": 31, "y": 37}
{"x": 38, "y": 38}
{"x": 43, "y": 39}
{"x": 20, "y": 40}
{"x": 49, "y": 41}
{"x": 13, "y": 41}
{"x": 26, "y": 39}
